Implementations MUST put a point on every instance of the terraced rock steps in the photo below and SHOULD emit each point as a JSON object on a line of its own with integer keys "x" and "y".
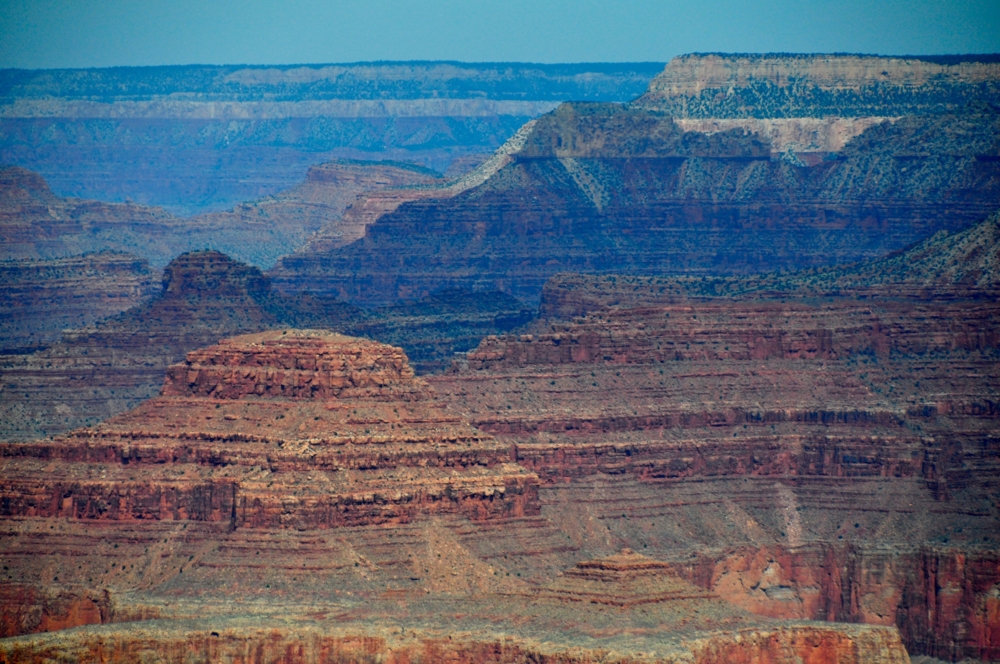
{"x": 99, "y": 371}
{"x": 802, "y": 451}
{"x": 626, "y": 579}
{"x": 341, "y": 424}
{"x": 549, "y": 623}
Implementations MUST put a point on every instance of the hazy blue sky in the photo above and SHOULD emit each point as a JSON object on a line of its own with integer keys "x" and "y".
{"x": 98, "y": 33}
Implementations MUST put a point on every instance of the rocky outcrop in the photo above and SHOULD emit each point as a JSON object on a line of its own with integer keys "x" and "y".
{"x": 213, "y": 415}
{"x": 555, "y": 623}
{"x": 244, "y": 644}
{"x": 783, "y": 85}
{"x": 369, "y": 206}
{"x": 802, "y": 141}
{"x": 601, "y": 189}
{"x": 40, "y": 299}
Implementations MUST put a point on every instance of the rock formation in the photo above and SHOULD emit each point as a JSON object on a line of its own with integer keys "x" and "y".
{"x": 625, "y": 607}
{"x": 39, "y": 299}
{"x": 789, "y": 85}
{"x": 95, "y": 372}
{"x": 331, "y": 411}
{"x": 35, "y": 223}
{"x": 798, "y": 448}
{"x": 599, "y": 188}
{"x": 98, "y": 371}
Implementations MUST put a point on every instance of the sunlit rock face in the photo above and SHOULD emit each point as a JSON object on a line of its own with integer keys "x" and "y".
{"x": 820, "y": 85}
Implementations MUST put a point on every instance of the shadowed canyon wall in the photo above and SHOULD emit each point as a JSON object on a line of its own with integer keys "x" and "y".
{"x": 598, "y": 188}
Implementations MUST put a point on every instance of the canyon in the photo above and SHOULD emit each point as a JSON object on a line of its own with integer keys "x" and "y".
{"x": 601, "y": 188}
{"x": 91, "y": 373}
{"x": 364, "y": 494}
{"x": 195, "y": 139}
{"x": 645, "y": 473}
{"x": 37, "y": 224}
{"x": 707, "y": 376}
{"x": 800, "y": 452}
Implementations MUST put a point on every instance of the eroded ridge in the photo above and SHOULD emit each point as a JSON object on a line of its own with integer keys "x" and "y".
{"x": 300, "y": 365}
{"x": 279, "y": 429}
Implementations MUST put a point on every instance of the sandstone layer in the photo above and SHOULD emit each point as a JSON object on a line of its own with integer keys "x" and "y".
{"x": 783, "y": 85}
{"x": 321, "y": 451}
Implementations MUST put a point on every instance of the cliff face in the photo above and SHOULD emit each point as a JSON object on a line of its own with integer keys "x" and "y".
{"x": 793, "y": 85}
{"x": 40, "y": 299}
{"x": 217, "y": 403}
{"x": 802, "y": 450}
{"x": 602, "y": 189}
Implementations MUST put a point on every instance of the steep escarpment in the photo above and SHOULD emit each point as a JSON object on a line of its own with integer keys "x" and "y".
{"x": 39, "y": 299}
{"x": 789, "y": 85}
{"x": 605, "y": 189}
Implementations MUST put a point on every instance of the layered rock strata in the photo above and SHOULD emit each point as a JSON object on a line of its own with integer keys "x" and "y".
{"x": 35, "y": 223}
{"x": 98, "y": 371}
{"x": 40, "y": 299}
{"x": 604, "y": 189}
{"x": 95, "y": 372}
{"x": 575, "y": 618}
{"x": 355, "y": 431}
{"x": 799, "y": 453}
{"x": 204, "y": 138}
{"x": 770, "y": 85}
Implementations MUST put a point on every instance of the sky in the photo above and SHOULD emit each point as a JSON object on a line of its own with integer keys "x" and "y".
{"x": 102, "y": 33}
